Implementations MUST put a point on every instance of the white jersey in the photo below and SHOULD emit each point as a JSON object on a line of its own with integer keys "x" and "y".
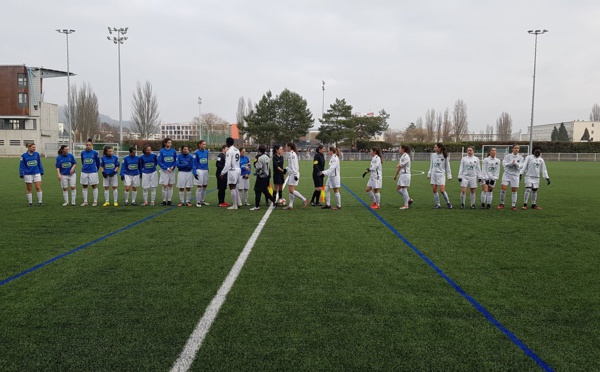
{"x": 491, "y": 168}
{"x": 404, "y": 164}
{"x": 512, "y": 164}
{"x": 469, "y": 167}
{"x": 439, "y": 165}
{"x": 533, "y": 165}
{"x": 293, "y": 168}
{"x": 333, "y": 172}
{"x": 232, "y": 160}
{"x": 376, "y": 168}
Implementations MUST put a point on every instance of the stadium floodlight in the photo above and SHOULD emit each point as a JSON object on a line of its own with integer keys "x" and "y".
{"x": 119, "y": 39}
{"x": 67, "y": 32}
{"x": 536, "y": 33}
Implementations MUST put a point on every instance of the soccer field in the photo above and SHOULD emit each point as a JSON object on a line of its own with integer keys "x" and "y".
{"x": 353, "y": 289}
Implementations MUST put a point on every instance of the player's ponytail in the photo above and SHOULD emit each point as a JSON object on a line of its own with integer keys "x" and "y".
{"x": 406, "y": 149}
{"x": 335, "y": 150}
{"x": 62, "y": 149}
{"x": 377, "y": 150}
{"x": 292, "y": 146}
{"x": 443, "y": 150}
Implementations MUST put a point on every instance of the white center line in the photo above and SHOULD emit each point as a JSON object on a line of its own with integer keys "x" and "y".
{"x": 187, "y": 356}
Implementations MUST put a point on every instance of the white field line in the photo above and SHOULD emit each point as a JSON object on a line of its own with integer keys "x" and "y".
{"x": 194, "y": 342}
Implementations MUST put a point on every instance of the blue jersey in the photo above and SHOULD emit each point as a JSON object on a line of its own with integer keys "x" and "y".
{"x": 130, "y": 166}
{"x": 201, "y": 159}
{"x": 245, "y": 165}
{"x": 185, "y": 163}
{"x": 30, "y": 164}
{"x": 148, "y": 163}
{"x": 167, "y": 158}
{"x": 65, "y": 163}
{"x": 90, "y": 161}
{"x": 110, "y": 165}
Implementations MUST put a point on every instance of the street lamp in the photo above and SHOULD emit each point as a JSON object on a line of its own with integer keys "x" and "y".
{"x": 536, "y": 33}
{"x": 67, "y": 32}
{"x": 199, "y": 118}
{"x": 119, "y": 39}
{"x": 323, "y": 104}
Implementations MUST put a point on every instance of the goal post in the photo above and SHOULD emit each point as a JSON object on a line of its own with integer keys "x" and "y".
{"x": 502, "y": 150}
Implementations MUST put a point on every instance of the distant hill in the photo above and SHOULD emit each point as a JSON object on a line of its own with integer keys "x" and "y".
{"x": 103, "y": 118}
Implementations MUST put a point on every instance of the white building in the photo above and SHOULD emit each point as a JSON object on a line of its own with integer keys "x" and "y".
{"x": 575, "y": 129}
{"x": 179, "y": 131}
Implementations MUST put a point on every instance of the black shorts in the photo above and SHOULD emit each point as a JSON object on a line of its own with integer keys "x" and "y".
{"x": 318, "y": 181}
{"x": 278, "y": 179}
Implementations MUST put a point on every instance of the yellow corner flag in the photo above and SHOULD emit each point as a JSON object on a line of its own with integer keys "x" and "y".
{"x": 323, "y": 194}
{"x": 270, "y": 190}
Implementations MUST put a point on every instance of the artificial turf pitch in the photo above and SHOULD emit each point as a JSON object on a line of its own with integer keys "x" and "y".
{"x": 321, "y": 290}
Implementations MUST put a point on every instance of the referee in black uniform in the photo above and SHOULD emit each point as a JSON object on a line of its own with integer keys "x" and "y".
{"x": 221, "y": 180}
{"x": 318, "y": 167}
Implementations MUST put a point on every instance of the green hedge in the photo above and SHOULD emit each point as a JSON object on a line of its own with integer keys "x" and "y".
{"x": 549, "y": 147}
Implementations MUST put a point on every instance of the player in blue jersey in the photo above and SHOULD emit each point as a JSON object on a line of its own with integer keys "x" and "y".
{"x": 244, "y": 182}
{"x": 201, "y": 172}
{"x": 90, "y": 163}
{"x": 65, "y": 170}
{"x": 185, "y": 166}
{"x": 109, "y": 167}
{"x": 167, "y": 156}
{"x": 148, "y": 164}
{"x": 31, "y": 171}
{"x": 130, "y": 175}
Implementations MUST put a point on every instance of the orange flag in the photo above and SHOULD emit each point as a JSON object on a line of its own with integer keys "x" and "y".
{"x": 270, "y": 189}
{"x": 323, "y": 194}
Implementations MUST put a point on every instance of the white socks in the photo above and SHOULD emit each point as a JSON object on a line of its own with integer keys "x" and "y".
{"x": 298, "y": 195}
{"x": 338, "y": 198}
{"x": 378, "y": 198}
{"x": 436, "y": 198}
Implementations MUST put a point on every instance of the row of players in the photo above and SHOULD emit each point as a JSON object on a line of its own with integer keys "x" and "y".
{"x": 233, "y": 169}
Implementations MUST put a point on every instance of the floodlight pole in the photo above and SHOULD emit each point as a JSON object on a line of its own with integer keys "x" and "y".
{"x": 199, "y": 118}
{"x": 323, "y": 104}
{"x": 119, "y": 39}
{"x": 536, "y": 33}
{"x": 67, "y": 32}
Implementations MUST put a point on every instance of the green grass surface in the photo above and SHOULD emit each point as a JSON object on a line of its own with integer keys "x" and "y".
{"x": 322, "y": 290}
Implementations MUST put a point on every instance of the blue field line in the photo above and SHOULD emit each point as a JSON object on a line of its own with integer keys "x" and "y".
{"x": 530, "y": 353}
{"x": 63, "y": 255}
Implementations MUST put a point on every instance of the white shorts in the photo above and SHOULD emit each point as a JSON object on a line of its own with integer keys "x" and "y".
{"x": 243, "y": 183}
{"x": 470, "y": 182}
{"x": 404, "y": 180}
{"x": 31, "y": 178}
{"x": 110, "y": 181}
{"x": 167, "y": 178}
{"x": 233, "y": 176}
{"x": 333, "y": 182}
{"x": 149, "y": 180}
{"x": 532, "y": 182}
{"x": 509, "y": 179}
{"x": 184, "y": 180}
{"x": 292, "y": 181}
{"x": 132, "y": 181}
{"x": 437, "y": 179}
{"x": 374, "y": 183}
{"x": 68, "y": 180}
{"x": 89, "y": 179}
{"x": 202, "y": 177}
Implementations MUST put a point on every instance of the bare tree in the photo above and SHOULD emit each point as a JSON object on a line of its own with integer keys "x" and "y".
{"x": 595, "y": 114}
{"x": 504, "y": 127}
{"x": 430, "y": 125}
{"x": 420, "y": 133}
{"x": 438, "y": 127}
{"x": 240, "y": 117}
{"x": 144, "y": 111}
{"x": 393, "y": 136}
{"x": 460, "y": 121}
{"x": 85, "y": 118}
{"x": 73, "y": 105}
{"x": 447, "y": 127}
{"x": 216, "y": 128}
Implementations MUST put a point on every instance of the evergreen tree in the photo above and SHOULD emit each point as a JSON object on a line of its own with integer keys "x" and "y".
{"x": 554, "y": 135}
{"x": 293, "y": 119}
{"x": 563, "y": 135}
{"x": 262, "y": 120}
{"x": 586, "y": 135}
{"x": 334, "y": 123}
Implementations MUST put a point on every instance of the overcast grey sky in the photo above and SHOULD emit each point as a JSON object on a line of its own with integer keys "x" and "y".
{"x": 404, "y": 56}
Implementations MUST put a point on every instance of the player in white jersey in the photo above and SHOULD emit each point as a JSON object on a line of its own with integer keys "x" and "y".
{"x": 489, "y": 175}
{"x": 512, "y": 163}
{"x": 376, "y": 177}
{"x": 403, "y": 170}
{"x": 233, "y": 170}
{"x": 534, "y": 164}
{"x": 469, "y": 172}
{"x": 293, "y": 171}
{"x": 439, "y": 168}
{"x": 333, "y": 179}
